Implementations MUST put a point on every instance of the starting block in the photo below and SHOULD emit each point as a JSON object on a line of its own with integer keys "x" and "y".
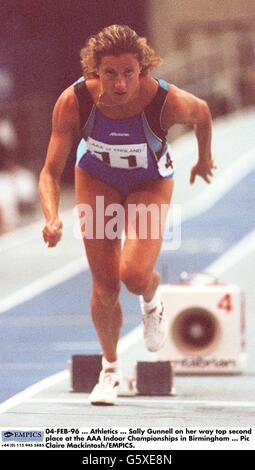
{"x": 84, "y": 372}
{"x": 150, "y": 378}
{"x": 154, "y": 378}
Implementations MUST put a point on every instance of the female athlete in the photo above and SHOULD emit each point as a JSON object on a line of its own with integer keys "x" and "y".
{"x": 120, "y": 115}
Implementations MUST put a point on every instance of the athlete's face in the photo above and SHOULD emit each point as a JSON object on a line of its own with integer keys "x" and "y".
{"x": 119, "y": 78}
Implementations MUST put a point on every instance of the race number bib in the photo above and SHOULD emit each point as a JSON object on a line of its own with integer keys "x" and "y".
{"x": 165, "y": 164}
{"x": 127, "y": 157}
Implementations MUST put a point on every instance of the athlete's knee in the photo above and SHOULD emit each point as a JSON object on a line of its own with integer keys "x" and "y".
{"x": 135, "y": 278}
{"x": 106, "y": 295}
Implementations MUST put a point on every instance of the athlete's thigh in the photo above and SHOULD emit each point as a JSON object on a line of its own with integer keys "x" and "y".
{"x": 145, "y": 216}
{"x": 93, "y": 197}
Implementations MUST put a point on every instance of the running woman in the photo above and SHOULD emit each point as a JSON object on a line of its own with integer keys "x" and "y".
{"x": 120, "y": 116}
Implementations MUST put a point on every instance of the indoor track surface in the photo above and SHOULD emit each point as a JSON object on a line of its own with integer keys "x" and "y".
{"x": 44, "y": 307}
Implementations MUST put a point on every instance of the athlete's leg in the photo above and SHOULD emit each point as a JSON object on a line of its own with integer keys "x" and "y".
{"x": 104, "y": 258}
{"x": 139, "y": 254}
{"x": 144, "y": 234}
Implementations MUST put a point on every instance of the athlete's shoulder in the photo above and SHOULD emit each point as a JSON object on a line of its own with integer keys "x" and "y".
{"x": 180, "y": 106}
{"x": 88, "y": 87}
{"x": 155, "y": 88}
{"x": 67, "y": 98}
{"x": 66, "y": 108}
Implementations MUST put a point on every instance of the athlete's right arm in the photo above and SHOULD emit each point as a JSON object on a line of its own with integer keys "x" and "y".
{"x": 65, "y": 129}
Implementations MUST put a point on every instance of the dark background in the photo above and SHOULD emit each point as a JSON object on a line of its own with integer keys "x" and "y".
{"x": 41, "y": 39}
{"x": 40, "y": 42}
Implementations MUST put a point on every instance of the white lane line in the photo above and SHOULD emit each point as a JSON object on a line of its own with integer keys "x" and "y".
{"x": 46, "y": 282}
{"x": 222, "y": 182}
{"x": 29, "y": 232}
{"x": 226, "y": 180}
{"x": 124, "y": 343}
{"x": 208, "y": 196}
{"x": 199, "y": 204}
{"x": 130, "y": 339}
{"x": 33, "y": 390}
{"x": 151, "y": 401}
{"x": 37, "y": 287}
{"x": 29, "y": 392}
{"x": 185, "y": 145}
{"x": 234, "y": 255}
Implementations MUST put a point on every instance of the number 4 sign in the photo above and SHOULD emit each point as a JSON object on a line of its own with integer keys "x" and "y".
{"x": 225, "y": 303}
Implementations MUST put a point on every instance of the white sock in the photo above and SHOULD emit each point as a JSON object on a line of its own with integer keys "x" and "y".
{"x": 110, "y": 365}
{"x": 153, "y": 303}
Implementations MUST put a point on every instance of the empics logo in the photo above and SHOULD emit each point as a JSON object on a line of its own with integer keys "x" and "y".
{"x": 7, "y": 434}
{"x": 18, "y": 435}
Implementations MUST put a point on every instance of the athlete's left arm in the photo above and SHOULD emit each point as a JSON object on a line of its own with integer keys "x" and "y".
{"x": 182, "y": 107}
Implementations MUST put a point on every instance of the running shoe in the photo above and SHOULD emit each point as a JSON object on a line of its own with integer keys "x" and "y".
{"x": 105, "y": 391}
{"x": 154, "y": 326}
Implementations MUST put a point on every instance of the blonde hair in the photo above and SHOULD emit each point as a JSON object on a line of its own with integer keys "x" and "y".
{"x": 116, "y": 40}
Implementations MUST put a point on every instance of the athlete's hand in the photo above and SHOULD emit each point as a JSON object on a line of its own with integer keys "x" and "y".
{"x": 203, "y": 168}
{"x": 52, "y": 232}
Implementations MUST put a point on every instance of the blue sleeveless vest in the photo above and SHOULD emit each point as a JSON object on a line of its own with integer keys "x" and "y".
{"x": 151, "y": 116}
{"x": 110, "y": 148}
